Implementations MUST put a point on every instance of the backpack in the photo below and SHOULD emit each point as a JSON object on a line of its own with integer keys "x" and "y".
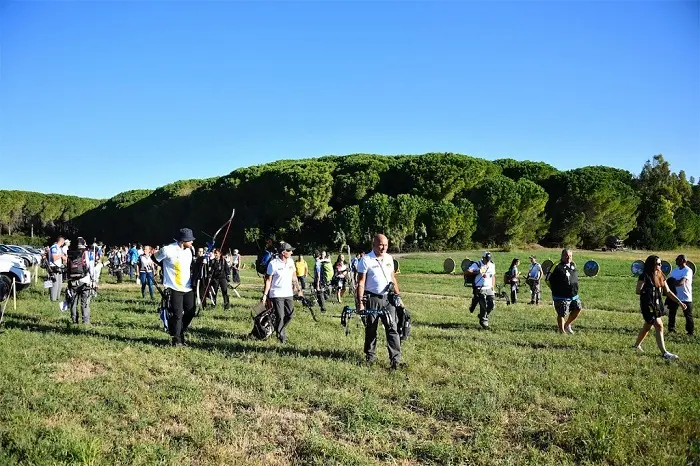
{"x": 652, "y": 297}
{"x": 263, "y": 323}
{"x": 263, "y": 259}
{"x": 77, "y": 266}
{"x": 404, "y": 322}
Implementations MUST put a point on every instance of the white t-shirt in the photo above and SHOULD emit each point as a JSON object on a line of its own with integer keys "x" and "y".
{"x": 378, "y": 271}
{"x": 282, "y": 273}
{"x": 484, "y": 277}
{"x": 685, "y": 291}
{"x": 176, "y": 267}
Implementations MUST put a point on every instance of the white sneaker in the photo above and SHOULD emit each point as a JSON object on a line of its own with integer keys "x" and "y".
{"x": 668, "y": 355}
{"x": 569, "y": 330}
{"x": 638, "y": 349}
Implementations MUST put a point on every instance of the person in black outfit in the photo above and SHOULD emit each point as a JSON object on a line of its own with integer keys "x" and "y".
{"x": 219, "y": 271}
{"x": 563, "y": 280}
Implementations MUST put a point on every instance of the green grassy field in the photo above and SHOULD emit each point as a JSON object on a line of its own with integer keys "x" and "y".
{"x": 117, "y": 393}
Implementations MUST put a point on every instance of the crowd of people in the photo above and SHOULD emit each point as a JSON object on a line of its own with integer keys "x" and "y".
{"x": 194, "y": 279}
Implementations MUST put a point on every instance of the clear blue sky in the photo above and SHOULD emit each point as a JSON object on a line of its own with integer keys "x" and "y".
{"x": 153, "y": 91}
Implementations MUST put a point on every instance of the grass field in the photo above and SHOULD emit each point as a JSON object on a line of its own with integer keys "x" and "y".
{"x": 117, "y": 393}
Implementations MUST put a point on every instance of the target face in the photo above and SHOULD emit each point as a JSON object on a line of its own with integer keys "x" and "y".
{"x": 665, "y": 267}
{"x": 692, "y": 266}
{"x": 546, "y": 265}
{"x": 396, "y": 266}
{"x": 466, "y": 263}
{"x": 591, "y": 268}
{"x": 637, "y": 267}
{"x": 449, "y": 265}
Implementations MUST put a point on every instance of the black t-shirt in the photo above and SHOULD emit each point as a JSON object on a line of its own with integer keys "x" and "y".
{"x": 563, "y": 279}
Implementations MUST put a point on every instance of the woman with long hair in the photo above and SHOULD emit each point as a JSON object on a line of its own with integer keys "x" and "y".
{"x": 513, "y": 280}
{"x": 650, "y": 287}
{"x": 341, "y": 270}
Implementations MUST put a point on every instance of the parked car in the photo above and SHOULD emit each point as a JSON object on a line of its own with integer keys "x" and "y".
{"x": 36, "y": 257}
{"x": 28, "y": 258}
{"x": 14, "y": 267}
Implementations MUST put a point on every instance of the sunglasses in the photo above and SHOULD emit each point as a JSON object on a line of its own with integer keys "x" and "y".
{"x": 658, "y": 263}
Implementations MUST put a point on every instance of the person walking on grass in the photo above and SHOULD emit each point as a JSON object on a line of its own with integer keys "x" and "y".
{"x": 146, "y": 270}
{"x": 81, "y": 278}
{"x": 280, "y": 283}
{"x": 57, "y": 260}
{"x": 376, "y": 280}
{"x": 683, "y": 288}
{"x": 484, "y": 272}
{"x": 533, "y": 279}
{"x": 176, "y": 259}
{"x": 563, "y": 280}
{"x": 650, "y": 287}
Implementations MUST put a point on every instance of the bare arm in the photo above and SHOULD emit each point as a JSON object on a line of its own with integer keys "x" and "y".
{"x": 268, "y": 282}
{"x": 672, "y": 295}
{"x": 396, "y": 283}
{"x": 360, "y": 290}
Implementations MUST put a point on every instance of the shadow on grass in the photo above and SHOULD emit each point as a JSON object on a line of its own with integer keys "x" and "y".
{"x": 246, "y": 345}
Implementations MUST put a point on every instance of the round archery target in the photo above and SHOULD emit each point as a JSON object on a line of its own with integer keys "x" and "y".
{"x": 466, "y": 263}
{"x": 591, "y": 268}
{"x": 692, "y": 266}
{"x": 449, "y": 265}
{"x": 396, "y": 266}
{"x": 637, "y": 267}
{"x": 546, "y": 265}
{"x": 665, "y": 267}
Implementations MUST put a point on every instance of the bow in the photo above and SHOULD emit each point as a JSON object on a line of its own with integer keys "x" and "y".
{"x": 210, "y": 247}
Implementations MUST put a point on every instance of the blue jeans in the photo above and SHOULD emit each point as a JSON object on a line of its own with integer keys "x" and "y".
{"x": 146, "y": 278}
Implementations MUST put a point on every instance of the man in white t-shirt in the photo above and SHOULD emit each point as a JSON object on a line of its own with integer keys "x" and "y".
{"x": 176, "y": 260}
{"x": 280, "y": 283}
{"x": 683, "y": 276}
{"x": 375, "y": 280}
{"x": 484, "y": 272}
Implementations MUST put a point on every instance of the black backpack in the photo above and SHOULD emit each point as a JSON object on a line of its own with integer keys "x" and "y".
{"x": 263, "y": 323}
{"x": 77, "y": 266}
{"x": 404, "y": 322}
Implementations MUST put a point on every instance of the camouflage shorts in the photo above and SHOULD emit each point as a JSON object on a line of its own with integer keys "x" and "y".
{"x": 564, "y": 306}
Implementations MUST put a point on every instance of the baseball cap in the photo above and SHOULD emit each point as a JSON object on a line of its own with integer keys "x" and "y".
{"x": 285, "y": 247}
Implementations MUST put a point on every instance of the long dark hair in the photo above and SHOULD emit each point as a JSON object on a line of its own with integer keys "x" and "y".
{"x": 515, "y": 261}
{"x": 651, "y": 271}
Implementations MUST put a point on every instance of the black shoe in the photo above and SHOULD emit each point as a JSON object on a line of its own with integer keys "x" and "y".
{"x": 672, "y": 330}
{"x": 484, "y": 324}
{"x": 370, "y": 361}
{"x": 397, "y": 365}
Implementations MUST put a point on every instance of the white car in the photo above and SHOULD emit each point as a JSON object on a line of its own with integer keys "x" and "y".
{"x": 14, "y": 267}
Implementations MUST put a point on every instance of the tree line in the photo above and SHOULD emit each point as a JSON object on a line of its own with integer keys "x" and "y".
{"x": 421, "y": 202}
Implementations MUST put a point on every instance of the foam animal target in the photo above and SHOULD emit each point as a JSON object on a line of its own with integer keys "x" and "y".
{"x": 546, "y": 265}
{"x": 665, "y": 267}
{"x": 637, "y": 267}
{"x": 591, "y": 268}
{"x": 449, "y": 265}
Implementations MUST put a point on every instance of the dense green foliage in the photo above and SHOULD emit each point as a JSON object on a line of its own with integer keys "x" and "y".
{"x": 520, "y": 394}
{"x": 429, "y": 202}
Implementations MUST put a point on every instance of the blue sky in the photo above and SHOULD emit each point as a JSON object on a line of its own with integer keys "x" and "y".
{"x": 142, "y": 93}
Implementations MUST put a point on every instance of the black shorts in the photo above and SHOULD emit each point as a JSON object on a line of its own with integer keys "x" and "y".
{"x": 649, "y": 315}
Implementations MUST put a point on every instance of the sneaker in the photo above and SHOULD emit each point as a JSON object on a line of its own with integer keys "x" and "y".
{"x": 484, "y": 324}
{"x": 370, "y": 361}
{"x": 669, "y": 356}
{"x": 569, "y": 330}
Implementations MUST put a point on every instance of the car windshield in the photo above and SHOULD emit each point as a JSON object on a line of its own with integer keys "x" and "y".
{"x": 4, "y": 248}
{"x": 16, "y": 249}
